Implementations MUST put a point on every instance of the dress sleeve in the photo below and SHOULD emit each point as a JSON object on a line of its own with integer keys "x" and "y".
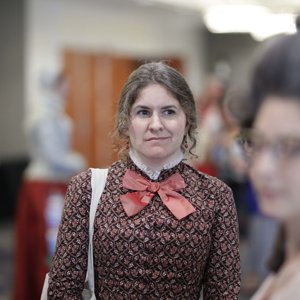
{"x": 223, "y": 275}
{"x": 68, "y": 270}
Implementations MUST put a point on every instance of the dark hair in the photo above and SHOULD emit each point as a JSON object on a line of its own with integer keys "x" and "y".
{"x": 166, "y": 76}
{"x": 276, "y": 71}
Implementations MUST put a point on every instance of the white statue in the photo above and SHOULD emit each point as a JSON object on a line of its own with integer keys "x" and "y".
{"x": 49, "y": 134}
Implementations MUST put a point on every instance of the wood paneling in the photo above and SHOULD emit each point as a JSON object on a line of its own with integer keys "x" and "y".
{"x": 95, "y": 84}
{"x": 96, "y": 81}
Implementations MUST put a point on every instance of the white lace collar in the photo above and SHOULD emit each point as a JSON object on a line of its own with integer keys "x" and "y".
{"x": 152, "y": 173}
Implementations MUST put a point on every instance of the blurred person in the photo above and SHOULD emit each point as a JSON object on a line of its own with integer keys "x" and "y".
{"x": 258, "y": 243}
{"x": 211, "y": 126}
{"x": 273, "y": 148}
{"x": 219, "y": 153}
{"x": 162, "y": 229}
{"x": 257, "y": 230}
{"x": 232, "y": 167}
{"x": 234, "y": 159}
{"x": 40, "y": 202}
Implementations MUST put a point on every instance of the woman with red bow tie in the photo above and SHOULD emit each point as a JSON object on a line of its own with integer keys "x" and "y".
{"x": 162, "y": 229}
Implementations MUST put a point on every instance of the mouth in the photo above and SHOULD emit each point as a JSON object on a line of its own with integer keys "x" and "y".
{"x": 268, "y": 193}
{"x": 156, "y": 139}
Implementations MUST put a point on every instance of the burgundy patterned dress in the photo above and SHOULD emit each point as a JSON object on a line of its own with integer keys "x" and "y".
{"x": 151, "y": 255}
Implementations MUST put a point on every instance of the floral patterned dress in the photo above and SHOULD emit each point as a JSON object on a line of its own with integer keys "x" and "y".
{"x": 151, "y": 255}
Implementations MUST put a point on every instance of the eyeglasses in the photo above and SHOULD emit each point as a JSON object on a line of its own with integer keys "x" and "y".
{"x": 254, "y": 143}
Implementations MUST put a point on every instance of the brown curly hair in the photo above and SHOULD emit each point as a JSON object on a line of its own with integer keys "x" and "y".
{"x": 166, "y": 76}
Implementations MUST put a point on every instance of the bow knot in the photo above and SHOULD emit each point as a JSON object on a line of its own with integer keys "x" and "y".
{"x": 153, "y": 187}
{"x": 145, "y": 189}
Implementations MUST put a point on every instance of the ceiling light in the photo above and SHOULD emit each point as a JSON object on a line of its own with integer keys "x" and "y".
{"x": 259, "y": 21}
{"x": 233, "y": 18}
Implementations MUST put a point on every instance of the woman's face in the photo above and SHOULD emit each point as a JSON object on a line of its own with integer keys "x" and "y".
{"x": 157, "y": 126}
{"x": 275, "y": 167}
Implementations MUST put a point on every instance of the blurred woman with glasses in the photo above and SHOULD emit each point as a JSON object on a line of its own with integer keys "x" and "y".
{"x": 273, "y": 149}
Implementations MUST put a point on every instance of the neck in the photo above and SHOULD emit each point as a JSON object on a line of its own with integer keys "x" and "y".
{"x": 153, "y": 169}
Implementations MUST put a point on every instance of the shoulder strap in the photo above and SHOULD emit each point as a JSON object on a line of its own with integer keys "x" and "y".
{"x": 98, "y": 181}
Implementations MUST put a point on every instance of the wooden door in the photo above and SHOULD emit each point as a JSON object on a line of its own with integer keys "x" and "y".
{"x": 95, "y": 85}
{"x": 96, "y": 81}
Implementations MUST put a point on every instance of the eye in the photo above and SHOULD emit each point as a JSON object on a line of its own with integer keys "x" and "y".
{"x": 248, "y": 146}
{"x": 289, "y": 147}
{"x": 142, "y": 112}
{"x": 250, "y": 142}
{"x": 169, "y": 112}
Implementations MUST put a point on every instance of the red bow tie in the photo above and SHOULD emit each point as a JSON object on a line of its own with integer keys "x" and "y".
{"x": 134, "y": 202}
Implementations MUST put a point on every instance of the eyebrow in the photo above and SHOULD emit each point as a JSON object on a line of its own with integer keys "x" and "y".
{"x": 169, "y": 106}
{"x": 163, "y": 107}
{"x": 140, "y": 106}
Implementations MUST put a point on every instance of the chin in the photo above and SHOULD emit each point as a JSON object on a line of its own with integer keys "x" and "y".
{"x": 273, "y": 211}
{"x": 159, "y": 153}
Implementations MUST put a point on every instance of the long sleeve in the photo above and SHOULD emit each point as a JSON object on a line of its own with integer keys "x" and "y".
{"x": 222, "y": 275}
{"x": 69, "y": 265}
{"x": 151, "y": 254}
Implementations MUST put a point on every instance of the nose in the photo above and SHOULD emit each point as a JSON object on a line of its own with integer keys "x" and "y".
{"x": 155, "y": 122}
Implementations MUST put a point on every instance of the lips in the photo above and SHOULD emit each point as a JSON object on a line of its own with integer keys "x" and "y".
{"x": 268, "y": 193}
{"x": 156, "y": 139}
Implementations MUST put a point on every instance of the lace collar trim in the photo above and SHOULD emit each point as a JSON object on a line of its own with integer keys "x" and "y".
{"x": 151, "y": 173}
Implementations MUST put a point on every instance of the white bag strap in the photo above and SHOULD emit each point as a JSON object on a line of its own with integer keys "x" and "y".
{"x": 98, "y": 181}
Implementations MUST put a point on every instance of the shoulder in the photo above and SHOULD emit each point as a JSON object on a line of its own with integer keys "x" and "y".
{"x": 78, "y": 193}
{"x": 204, "y": 181}
{"x": 82, "y": 176}
{"x": 115, "y": 171}
{"x": 81, "y": 181}
{"x": 207, "y": 190}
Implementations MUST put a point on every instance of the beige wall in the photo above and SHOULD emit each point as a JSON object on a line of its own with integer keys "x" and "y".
{"x": 34, "y": 37}
{"x": 118, "y": 27}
